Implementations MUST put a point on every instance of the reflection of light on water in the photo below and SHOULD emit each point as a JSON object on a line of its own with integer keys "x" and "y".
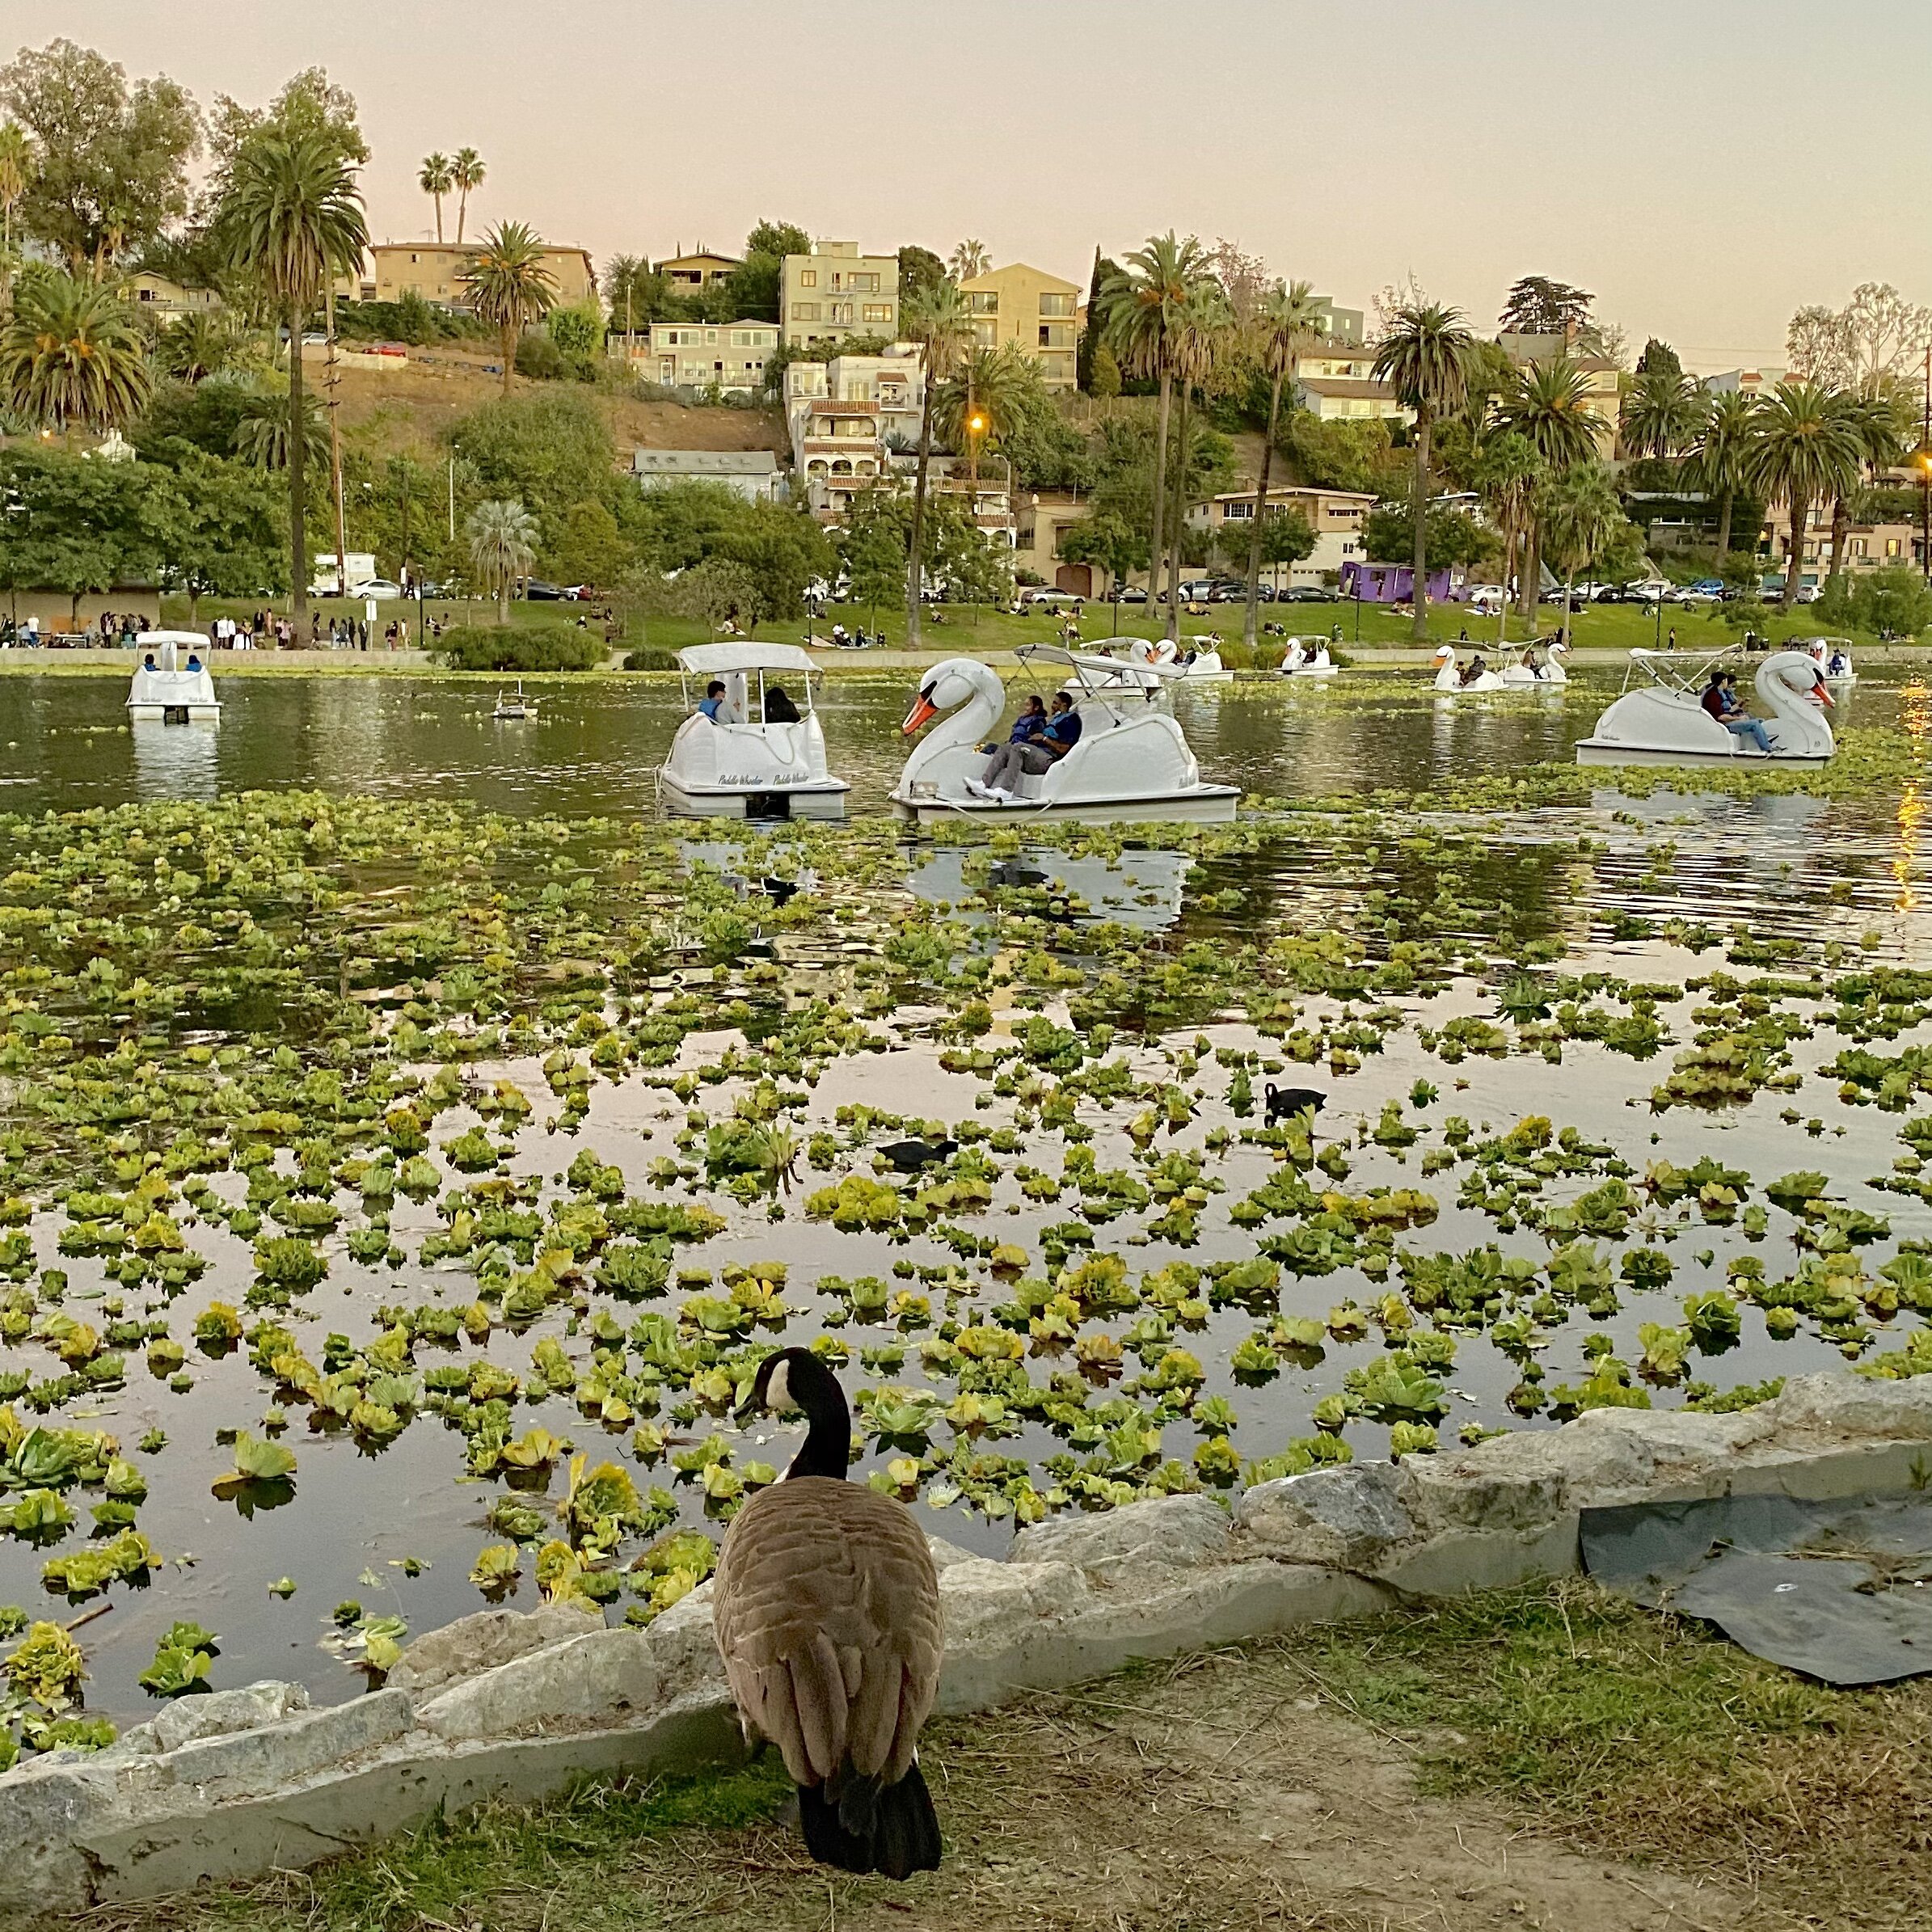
{"x": 1912, "y": 809}
{"x": 1915, "y": 710}
{"x": 176, "y": 761}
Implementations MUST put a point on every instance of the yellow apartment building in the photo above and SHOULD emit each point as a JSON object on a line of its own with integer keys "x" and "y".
{"x": 434, "y": 271}
{"x": 835, "y": 292}
{"x": 1038, "y": 312}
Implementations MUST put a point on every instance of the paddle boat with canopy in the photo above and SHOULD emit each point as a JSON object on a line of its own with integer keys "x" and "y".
{"x": 1543, "y": 669}
{"x": 1832, "y": 656}
{"x": 1195, "y": 660}
{"x": 1132, "y": 761}
{"x": 514, "y": 704}
{"x": 751, "y": 761}
{"x": 1661, "y": 720}
{"x": 172, "y": 685}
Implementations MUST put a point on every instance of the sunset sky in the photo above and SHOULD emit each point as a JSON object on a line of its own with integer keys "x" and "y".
{"x": 1704, "y": 165}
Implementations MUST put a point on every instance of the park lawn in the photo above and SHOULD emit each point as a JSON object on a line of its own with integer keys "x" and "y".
{"x": 1416, "y": 1767}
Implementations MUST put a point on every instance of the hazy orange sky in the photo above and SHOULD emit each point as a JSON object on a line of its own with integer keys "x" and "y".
{"x": 1704, "y": 165}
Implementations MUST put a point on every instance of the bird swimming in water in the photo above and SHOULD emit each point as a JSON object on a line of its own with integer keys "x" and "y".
{"x": 1284, "y": 1102}
{"x": 908, "y": 1157}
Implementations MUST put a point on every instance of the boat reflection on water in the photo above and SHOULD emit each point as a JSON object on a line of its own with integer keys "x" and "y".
{"x": 176, "y": 761}
{"x": 1142, "y": 889}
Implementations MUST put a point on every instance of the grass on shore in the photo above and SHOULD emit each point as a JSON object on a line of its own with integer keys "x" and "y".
{"x": 1555, "y": 1711}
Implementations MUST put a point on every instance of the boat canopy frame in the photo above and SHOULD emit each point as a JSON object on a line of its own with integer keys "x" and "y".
{"x": 744, "y": 661}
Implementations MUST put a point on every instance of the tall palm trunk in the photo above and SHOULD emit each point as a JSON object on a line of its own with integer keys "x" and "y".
{"x": 1723, "y": 526}
{"x": 1177, "y": 517}
{"x": 1249, "y": 626}
{"x": 1841, "y": 529}
{"x": 1793, "y": 566}
{"x": 1157, "y": 548}
{"x": 438, "y": 200}
{"x": 913, "y": 573}
{"x": 1568, "y": 580}
{"x": 1510, "y": 543}
{"x": 298, "y": 500}
{"x": 1532, "y": 586}
{"x": 341, "y": 541}
{"x": 509, "y": 352}
{"x": 1418, "y": 512}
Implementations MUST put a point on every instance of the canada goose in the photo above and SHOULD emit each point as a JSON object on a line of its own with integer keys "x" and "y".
{"x": 908, "y": 1157}
{"x": 827, "y": 1617}
{"x": 1284, "y": 1102}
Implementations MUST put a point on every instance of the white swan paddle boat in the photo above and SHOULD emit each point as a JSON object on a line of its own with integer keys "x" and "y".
{"x": 513, "y": 704}
{"x": 1663, "y": 721}
{"x": 744, "y": 763}
{"x": 1541, "y": 673}
{"x": 1449, "y": 675}
{"x": 1832, "y": 656}
{"x": 1198, "y": 664}
{"x": 1308, "y": 657}
{"x": 172, "y": 685}
{"x": 1132, "y": 761}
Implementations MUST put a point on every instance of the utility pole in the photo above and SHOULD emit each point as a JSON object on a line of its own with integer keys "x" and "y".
{"x": 342, "y": 560}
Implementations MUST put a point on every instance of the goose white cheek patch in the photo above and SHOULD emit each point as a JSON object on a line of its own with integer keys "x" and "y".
{"x": 778, "y": 1391}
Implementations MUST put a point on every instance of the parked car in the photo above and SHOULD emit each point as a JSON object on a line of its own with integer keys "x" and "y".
{"x": 1198, "y": 590}
{"x": 1485, "y": 600}
{"x": 539, "y": 592}
{"x": 379, "y": 589}
{"x": 1709, "y": 587}
{"x": 1051, "y": 600}
{"x": 1229, "y": 594}
{"x": 1306, "y": 593}
{"x": 1129, "y": 593}
{"x": 1653, "y": 590}
{"x": 581, "y": 593}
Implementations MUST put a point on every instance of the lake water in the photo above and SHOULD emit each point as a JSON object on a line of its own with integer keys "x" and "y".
{"x": 1672, "y": 892}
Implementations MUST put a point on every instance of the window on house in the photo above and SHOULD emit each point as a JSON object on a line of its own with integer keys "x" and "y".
{"x": 878, "y": 311}
{"x": 866, "y": 284}
{"x": 982, "y": 301}
{"x": 805, "y": 311}
{"x": 808, "y": 278}
{"x": 1055, "y": 335}
{"x": 1894, "y": 547}
{"x": 1057, "y": 305}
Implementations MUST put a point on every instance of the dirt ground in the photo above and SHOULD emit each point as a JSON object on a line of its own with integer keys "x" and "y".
{"x": 411, "y": 407}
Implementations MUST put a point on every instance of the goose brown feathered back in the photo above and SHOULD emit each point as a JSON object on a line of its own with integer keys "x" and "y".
{"x": 826, "y": 1616}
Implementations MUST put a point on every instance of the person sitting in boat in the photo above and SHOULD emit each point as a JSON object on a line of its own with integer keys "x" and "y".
{"x": 778, "y": 707}
{"x": 147, "y": 662}
{"x": 1027, "y": 727}
{"x": 194, "y": 662}
{"x": 1531, "y": 665}
{"x": 1839, "y": 664}
{"x": 713, "y": 701}
{"x": 1014, "y": 760}
{"x": 1473, "y": 669}
{"x": 1734, "y": 717}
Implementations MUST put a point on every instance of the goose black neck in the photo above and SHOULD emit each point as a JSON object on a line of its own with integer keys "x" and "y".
{"x": 828, "y": 1447}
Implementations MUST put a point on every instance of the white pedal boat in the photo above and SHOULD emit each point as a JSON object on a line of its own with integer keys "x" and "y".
{"x": 1308, "y": 657}
{"x": 1200, "y": 662}
{"x": 1131, "y": 762}
{"x": 172, "y": 685}
{"x": 1832, "y": 656}
{"x": 1448, "y": 676}
{"x": 738, "y": 765}
{"x": 1663, "y": 722}
{"x": 1540, "y": 674}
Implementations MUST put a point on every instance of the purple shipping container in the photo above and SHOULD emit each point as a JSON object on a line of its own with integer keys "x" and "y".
{"x": 1390, "y": 583}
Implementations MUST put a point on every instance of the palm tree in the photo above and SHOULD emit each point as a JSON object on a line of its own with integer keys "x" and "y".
{"x": 1198, "y": 342}
{"x": 1549, "y": 406}
{"x": 1883, "y": 422}
{"x": 1807, "y": 449}
{"x": 1506, "y": 471}
{"x": 968, "y": 260}
{"x": 993, "y": 385}
{"x": 502, "y": 536}
{"x": 1578, "y": 513}
{"x": 467, "y": 171}
{"x": 292, "y": 217}
{"x": 510, "y": 283}
{"x": 1289, "y": 320}
{"x": 1139, "y": 305}
{"x": 70, "y": 353}
{"x": 16, "y": 171}
{"x": 261, "y": 435}
{"x": 1719, "y": 462}
{"x": 1426, "y": 358}
{"x": 939, "y": 320}
{"x": 1663, "y": 413}
{"x": 437, "y": 179}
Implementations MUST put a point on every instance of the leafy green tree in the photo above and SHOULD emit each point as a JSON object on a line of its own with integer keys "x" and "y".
{"x": 974, "y": 569}
{"x": 202, "y": 344}
{"x": 1452, "y": 539}
{"x": 1108, "y": 543}
{"x": 937, "y": 320}
{"x": 1505, "y": 475}
{"x": 1883, "y": 424}
{"x": 1425, "y": 358}
{"x": 779, "y": 238}
{"x": 224, "y": 537}
{"x": 1204, "y": 339}
{"x": 1807, "y": 449}
{"x": 1891, "y": 603}
{"x": 1551, "y": 408}
{"x": 292, "y": 218}
{"x": 261, "y": 434}
{"x": 1103, "y": 371}
{"x": 920, "y": 271}
{"x": 1344, "y": 454}
{"x": 873, "y": 547}
{"x": 637, "y": 293}
{"x": 1581, "y": 520}
{"x": 999, "y": 386}
{"x": 78, "y": 526}
{"x": 112, "y": 159}
{"x": 1285, "y": 536}
{"x": 1663, "y": 413}
{"x": 435, "y": 180}
{"x": 1089, "y": 337}
{"x": 16, "y": 171}
{"x": 502, "y": 536}
{"x": 467, "y": 171}
{"x": 578, "y": 330}
{"x": 1720, "y": 461}
{"x": 70, "y": 354}
{"x": 1139, "y": 317}
{"x": 545, "y": 448}
{"x": 510, "y": 284}
{"x": 1537, "y": 306}
{"x": 1288, "y": 320}
{"x": 755, "y": 286}
{"x": 1658, "y": 358}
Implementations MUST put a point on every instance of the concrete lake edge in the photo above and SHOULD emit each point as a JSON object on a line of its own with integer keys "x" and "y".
{"x": 512, "y": 1703}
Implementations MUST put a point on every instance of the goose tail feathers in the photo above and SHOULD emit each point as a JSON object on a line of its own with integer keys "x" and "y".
{"x": 871, "y": 1825}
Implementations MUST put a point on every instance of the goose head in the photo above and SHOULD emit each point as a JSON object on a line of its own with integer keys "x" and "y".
{"x": 948, "y": 685}
{"x": 1794, "y": 674}
{"x": 795, "y": 1381}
